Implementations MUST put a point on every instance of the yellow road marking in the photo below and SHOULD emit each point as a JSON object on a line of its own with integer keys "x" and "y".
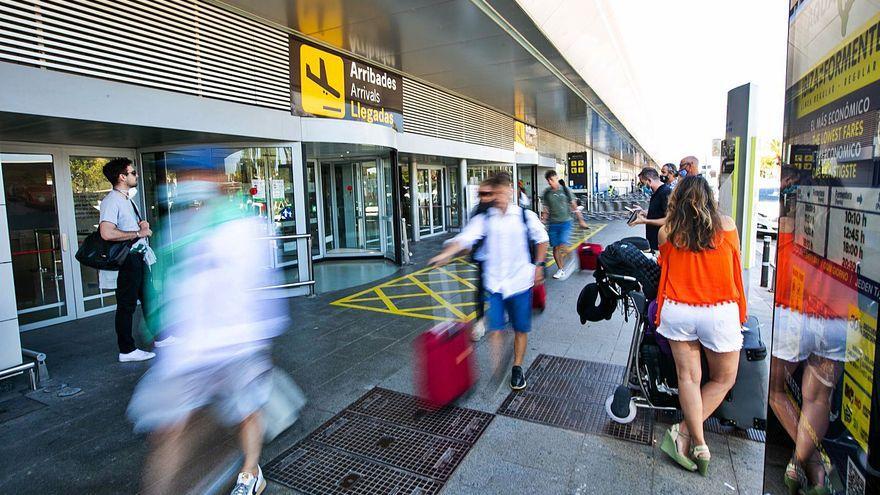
{"x": 571, "y": 249}
{"x": 438, "y": 298}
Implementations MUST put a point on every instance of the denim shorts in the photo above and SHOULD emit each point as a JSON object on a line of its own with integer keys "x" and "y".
{"x": 518, "y": 308}
{"x": 559, "y": 233}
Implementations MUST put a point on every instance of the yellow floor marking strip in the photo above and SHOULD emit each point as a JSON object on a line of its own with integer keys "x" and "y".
{"x": 465, "y": 281}
{"x": 385, "y": 299}
{"x": 439, "y": 298}
{"x": 408, "y": 295}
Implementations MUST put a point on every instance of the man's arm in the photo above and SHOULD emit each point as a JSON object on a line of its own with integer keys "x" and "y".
{"x": 110, "y": 232}
{"x": 470, "y": 234}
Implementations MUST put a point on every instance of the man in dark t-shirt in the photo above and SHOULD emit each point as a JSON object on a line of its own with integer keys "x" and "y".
{"x": 655, "y": 217}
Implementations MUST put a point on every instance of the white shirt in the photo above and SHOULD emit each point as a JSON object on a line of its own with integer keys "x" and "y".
{"x": 507, "y": 268}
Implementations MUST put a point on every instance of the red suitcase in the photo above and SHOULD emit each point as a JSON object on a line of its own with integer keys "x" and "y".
{"x": 444, "y": 363}
{"x": 588, "y": 255}
{"x": 539, "y": 297}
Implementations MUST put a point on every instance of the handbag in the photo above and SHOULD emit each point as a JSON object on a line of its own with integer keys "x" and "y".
{"x": 95, "y": 252}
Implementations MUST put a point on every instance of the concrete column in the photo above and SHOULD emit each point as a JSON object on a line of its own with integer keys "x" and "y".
{"x": 10, "y": 341}
{"x": 462, "y": 186}
{"x": 515, "y": 178}
{"x": 414, "y": 199}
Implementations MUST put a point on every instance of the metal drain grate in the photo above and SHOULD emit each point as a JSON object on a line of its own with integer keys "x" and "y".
{"x": 457, "y": 423}
{"x": 714, "y": 425}
{"x": 385, "y": 442}
{"x": 570, "y": 393}
{"x": 313, "y": 468}
{"x": 398, "y": 446}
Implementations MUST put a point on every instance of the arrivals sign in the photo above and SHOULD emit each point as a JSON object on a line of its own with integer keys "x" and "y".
{"x": 326, "y": 84}
{"x": 577, "y": 170}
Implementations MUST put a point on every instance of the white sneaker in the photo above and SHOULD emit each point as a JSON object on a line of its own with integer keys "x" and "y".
{"x": 478, "y": 330}
{"x": 249, "y": 484}
{"x": 135, "y": 355}
{"x": 171, "y": 340}
{"x": 559, "y": 274}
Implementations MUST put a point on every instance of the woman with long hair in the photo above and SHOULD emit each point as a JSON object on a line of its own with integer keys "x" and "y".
{"x": 701, "y": 307}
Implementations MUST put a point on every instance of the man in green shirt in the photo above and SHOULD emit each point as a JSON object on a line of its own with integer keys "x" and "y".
{"x": 559, "y": 205}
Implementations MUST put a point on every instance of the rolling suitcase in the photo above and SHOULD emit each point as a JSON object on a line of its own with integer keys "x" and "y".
{"x": 588, "y": 255}
{"x": 444, "y": 363}
{"x": 746, "y": 403}
{"x": 539, "y": 297}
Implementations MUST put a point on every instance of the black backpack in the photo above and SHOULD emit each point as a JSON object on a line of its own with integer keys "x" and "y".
{"x": 625, "y": 258}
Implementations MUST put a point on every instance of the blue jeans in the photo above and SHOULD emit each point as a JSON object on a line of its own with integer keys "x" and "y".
{"x": 518, "y": 308}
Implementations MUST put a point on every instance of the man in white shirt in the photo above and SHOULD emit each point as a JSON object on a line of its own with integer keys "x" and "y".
{"x": 513, "y": 239}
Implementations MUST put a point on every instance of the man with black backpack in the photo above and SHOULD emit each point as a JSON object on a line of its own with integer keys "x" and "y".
{"x": 514, "y": 247}
{"x": 559, "y": 205}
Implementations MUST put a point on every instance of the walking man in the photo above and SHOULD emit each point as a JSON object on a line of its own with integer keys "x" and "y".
{"x": 122, "y": 222}
{"x": 513, "y": 240}
{"x": 689, "y": 165}
{"x": 655, "y": 217}
{"x": 559, "y": 205}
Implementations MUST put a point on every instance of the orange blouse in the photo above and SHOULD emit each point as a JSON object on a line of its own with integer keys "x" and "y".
{"x": 703, "y": 278}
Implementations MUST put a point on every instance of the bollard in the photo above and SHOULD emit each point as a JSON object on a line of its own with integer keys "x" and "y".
{"x": 765, "y": 262}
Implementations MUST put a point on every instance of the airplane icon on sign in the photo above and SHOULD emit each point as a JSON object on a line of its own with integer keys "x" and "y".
{"x": 321, "y": 79}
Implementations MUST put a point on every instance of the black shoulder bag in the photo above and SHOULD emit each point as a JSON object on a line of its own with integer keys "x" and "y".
{"x": 97, "y": 253}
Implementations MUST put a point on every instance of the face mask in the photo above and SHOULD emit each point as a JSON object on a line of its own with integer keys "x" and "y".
{"x": 789, "y": 190}
{"x": 664, "y": 179}
{"x": 647, "y": 190}
{"x": 683, "y": 173}
{"x": 132, "y": 192}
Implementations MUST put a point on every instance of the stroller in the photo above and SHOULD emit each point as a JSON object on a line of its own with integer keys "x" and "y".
{"x": 650, "y": 380}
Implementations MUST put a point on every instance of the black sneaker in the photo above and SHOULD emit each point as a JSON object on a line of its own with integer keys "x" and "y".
{"x": 517, "y": 380}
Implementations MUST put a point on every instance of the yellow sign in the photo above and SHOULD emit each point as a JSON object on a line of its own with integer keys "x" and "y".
{"x": 322, "y": 76}
{"x": 860, "y": 344}
{"x": 854, "y": 64}
{"x": 856, "y": 411}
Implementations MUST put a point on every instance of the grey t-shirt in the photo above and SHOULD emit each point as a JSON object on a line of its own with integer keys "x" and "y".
{"x": 117, "y": 209}
{"x": 558, "y": 203}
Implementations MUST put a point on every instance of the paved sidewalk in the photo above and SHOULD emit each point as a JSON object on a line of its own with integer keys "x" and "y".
{"x": 336, "y": 354}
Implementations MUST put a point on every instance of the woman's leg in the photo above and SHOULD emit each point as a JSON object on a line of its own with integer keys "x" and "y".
{"x": 722, "y": 375}
{"x": 820, "y": 377}
{"x": 783, "y": 406}
{"x": 689, "y": 370}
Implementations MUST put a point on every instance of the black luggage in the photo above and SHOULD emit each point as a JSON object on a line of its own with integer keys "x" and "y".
{"x": 746, "y": 404}
{"x": 625, "y": 258}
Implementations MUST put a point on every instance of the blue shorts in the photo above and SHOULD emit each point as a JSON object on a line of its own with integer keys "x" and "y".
{"x": 559, "y": 233}
{"x": 518, "y": 308}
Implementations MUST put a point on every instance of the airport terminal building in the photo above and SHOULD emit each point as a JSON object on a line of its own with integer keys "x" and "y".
{"x": 355, "y": 128}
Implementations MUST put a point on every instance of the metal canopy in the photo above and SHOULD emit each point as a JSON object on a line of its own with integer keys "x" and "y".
{"x": 486, "y": 50}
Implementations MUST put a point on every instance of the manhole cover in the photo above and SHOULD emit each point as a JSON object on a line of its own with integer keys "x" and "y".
{"x": 385, "y": 442}
{"x": 570, "y": 393}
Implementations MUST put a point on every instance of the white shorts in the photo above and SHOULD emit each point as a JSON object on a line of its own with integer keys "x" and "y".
{"x": 716, "y": 327}
{"x": 796, "y": 336}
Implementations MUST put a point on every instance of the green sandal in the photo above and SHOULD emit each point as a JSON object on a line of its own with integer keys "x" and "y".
{"x": 793, "y": 477}
{"x": 670, "y": 447}
{"x": 701, "y": 456}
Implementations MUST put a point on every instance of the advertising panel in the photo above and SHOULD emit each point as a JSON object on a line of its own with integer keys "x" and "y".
{"x": 823, "y": 413}
{"x": 327, "y": 84}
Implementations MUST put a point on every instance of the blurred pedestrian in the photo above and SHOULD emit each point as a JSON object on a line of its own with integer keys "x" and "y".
{"x": 559, "y": 206}
{"x": 669, "y": 175}
{"x": 701, "y": 309}
{"x": 515, "y": 245}
{"x": 120, "y": 221}
{"x": 486, "y": 194}
{"x": 655, "y": 217}
{"x": 221, "y": 361}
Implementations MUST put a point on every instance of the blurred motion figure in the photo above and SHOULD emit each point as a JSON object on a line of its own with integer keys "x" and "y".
{"x": 223, "y": 328}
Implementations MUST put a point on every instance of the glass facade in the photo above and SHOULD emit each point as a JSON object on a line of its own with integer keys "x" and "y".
{"x": 823, "y": 425}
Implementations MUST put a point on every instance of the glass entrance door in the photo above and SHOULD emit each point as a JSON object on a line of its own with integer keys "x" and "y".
{"x": 431, "y": 200}
{"x": 40, "y": 251}
{"x": 353, "y": 207}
